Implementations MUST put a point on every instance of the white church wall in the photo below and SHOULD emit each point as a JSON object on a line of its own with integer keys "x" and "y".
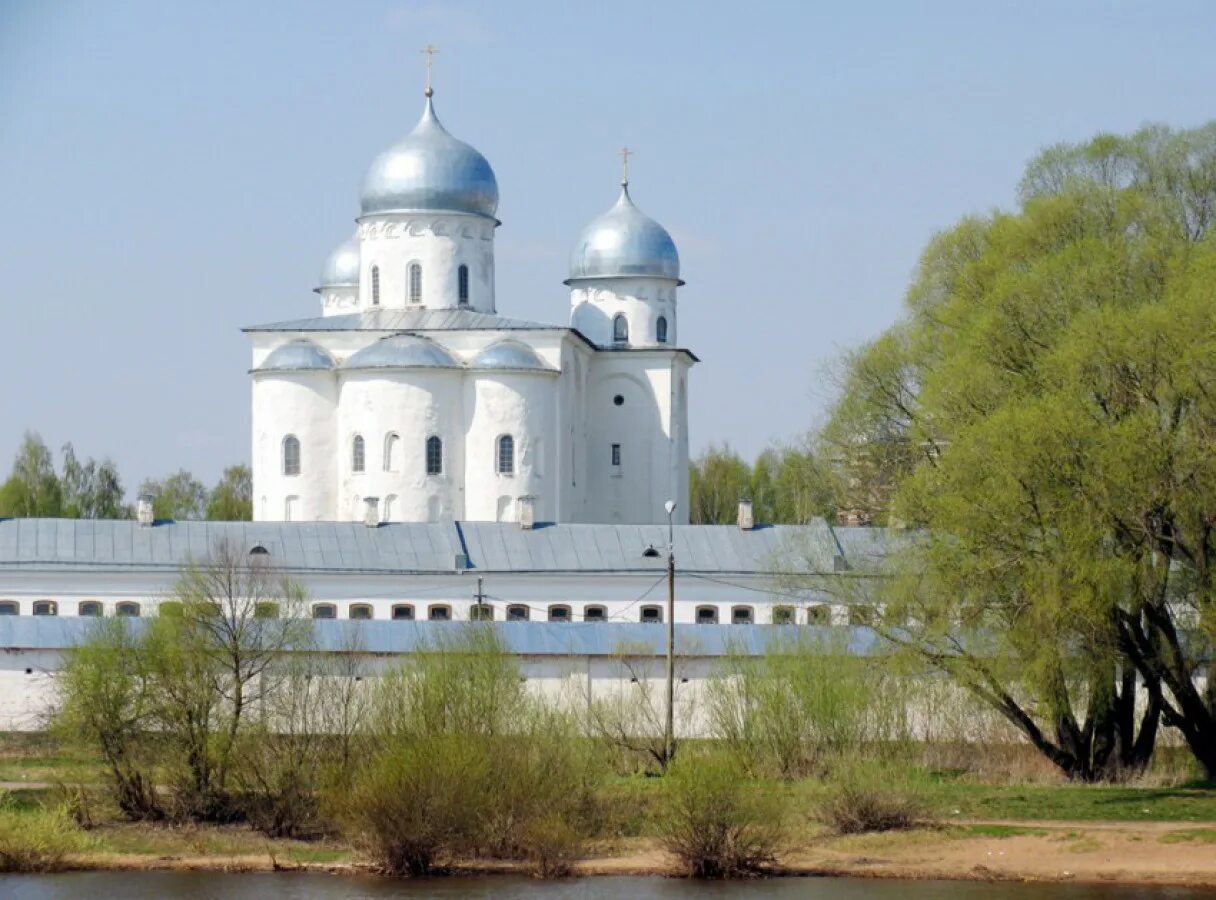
{"x": 338, "y": 301}
{"x": 596, "y": 303}
{"x": 440, "y": 243}
{"x": 303, "y": 404}
{"x": 412, "y": 405}
{"x": 522, "y": 405}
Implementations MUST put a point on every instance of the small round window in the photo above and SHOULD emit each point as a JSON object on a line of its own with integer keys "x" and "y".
{"x": 618, "y": 400}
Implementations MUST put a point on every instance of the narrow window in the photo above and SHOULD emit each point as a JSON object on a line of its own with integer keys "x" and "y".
{"x": 127, "y": 610}
{"x": 660, "y": 330}
{"x": 783, "y": 615}
{"x": 360, "y": 611}
{"x": 8, "y": 608}
{"x": 358, "y": 454}
{"x": 392, "y": 452}
{"x": 415, "y": 279}
{"x": 434, "y": 456}
{"x": 481, "y": 612}
{"x": 439, "y": 612}
{"x": 291, "y": 455}
{"x": 324, "y": 611}
{"x": 559, "y": 613}
{"x": 375, "y": 285}
{"x": 390, "y": 507}
{"x": 651, "y": 614}
{"x": 620, "y": 329}
{"x": 741, "y": 615}
{"x": 506, "y": 455}
{"x": 517, "y": 612}
{"x": 403, "y": 612}
{"x": 707, "y": 615}
{"x": 462, "y": 284}
{"x": 89, "y": 608}
{"x": 595, "y": 614}
{"x": 616, "y": 455}
{"x": 291, "y": 508}
{"x": 46, "y": 608}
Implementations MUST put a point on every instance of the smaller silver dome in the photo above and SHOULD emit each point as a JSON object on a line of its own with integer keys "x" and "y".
{"x": 341, "y": 267}
{"x": 402, "y": 351}
{"x": 297, "y": 356}
{"x": 624, "y": 243}
{"x": 509, "y": 354}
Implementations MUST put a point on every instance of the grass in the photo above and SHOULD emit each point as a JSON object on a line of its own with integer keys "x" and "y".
{"x": 993, "y": 830}
{"x": 1076, "y": 803}
{"x": 1189, "y": 835}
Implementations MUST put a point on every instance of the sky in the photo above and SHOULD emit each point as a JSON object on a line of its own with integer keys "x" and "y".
{"x": 173, "y": 171}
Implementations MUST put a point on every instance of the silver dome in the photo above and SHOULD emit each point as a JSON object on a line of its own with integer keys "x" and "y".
{"x": 341, "y": 268}
{"x": 402, "y": 351}
{"x": 297, "y": 356}
{"x": 509, "y": 354}
{"x": 624, "y": 243}
{"x": 430, "y": 170}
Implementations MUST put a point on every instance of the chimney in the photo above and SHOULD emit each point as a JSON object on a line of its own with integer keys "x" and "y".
{"x": 371, "y": 512}
{"x": 747, "y": 519}
{"x": 143, "y": 510}
{"x": 526, "y": 506}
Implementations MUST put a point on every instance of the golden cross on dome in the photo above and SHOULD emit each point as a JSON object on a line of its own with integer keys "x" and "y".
{"x": 430, "y": 52}
{"x": 625, "y": 153}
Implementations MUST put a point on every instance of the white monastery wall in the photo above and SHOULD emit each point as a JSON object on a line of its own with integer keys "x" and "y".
{"x": 303, "y": 404}
{"x": 596, "y": 302}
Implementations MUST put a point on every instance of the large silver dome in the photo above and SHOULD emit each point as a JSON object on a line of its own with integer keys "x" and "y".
{"x": 624, "y": 243}
{"x": 297, "y": 356}
{"x": 341, "y": 268}
{"x": 430, "y": 170}
{"x": 402, "y": 351}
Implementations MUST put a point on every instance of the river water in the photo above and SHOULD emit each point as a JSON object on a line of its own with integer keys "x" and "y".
{"x": 316, "y": 886}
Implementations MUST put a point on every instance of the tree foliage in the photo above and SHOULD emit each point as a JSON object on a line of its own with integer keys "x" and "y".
{"x": 785, "y": 485}
{"x": 1045, "y": 413}
{"x": 231, "y": 500}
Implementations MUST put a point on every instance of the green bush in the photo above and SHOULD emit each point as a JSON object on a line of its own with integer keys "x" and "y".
{"x": 36, "y": 840}
{"x": 715, "y": 822}
{"x": 872, "y": 798}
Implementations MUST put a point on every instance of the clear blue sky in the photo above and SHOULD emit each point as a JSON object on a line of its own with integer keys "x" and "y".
{"x": 171, "y": 171}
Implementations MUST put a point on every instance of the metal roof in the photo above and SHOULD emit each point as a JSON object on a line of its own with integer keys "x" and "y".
{"x": 409, "y": 320}
{"x": 441, "y": 547}
{"x": 521, "y": 638}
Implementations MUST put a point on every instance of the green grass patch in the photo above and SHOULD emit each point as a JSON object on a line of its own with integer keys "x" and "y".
{"x": 1066, "y": 802}
{"x": 987, "y": 830}
{"x": 1189, "y": 835}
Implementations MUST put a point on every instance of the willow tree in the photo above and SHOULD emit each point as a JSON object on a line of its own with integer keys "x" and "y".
{"x": 1045, "y": 415}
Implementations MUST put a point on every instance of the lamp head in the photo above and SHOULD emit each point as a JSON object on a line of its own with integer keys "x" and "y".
{"x": 670, "y": 506}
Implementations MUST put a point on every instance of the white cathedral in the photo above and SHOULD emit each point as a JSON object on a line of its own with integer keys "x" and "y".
{"x": 410, "y": 399}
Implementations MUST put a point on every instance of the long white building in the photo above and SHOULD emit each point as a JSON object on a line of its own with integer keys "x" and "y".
{"x": 410, "y": 399}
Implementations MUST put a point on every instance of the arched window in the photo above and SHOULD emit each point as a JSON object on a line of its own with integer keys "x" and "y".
{"x": 559, "y": 613}
{"x": 595, "y": 614}
{"x": 481, "y": 612}
{"x": 505, "y": 461}
{"x": 434, "y": 456}
{"x": 291, "y": 455}
{"x": 390, "y": 507}
{"x": 415, "y": 280}
{"x": 620, "y": 329}
{"x": 707, "y": 615}
{"x": 660, "y": 330}
{"x": 403, "y": 612}
{"x": 819, "y": 615}
{"x": 360, "y": 611}
{"x": 439, "y": 612}
{"x": 127, "y": 610}
{"x": 375, "y": 285}
{"x": 358, "y": 454}
{"x": 462, "y": 284}
{"x": 324, "y": 611}
{"x": 89, "y": 608}
{"x": 392, "y": 451}
{"x": 46, "y": 608}
{"x": 742, "y": 615}
{"x": 651, "y": 614}
{"x": 783, "y": 615}
{"x": 9, "y": 608}
{"x": 517, "y": 612}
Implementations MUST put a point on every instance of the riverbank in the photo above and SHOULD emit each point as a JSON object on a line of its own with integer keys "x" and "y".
{"x": 1142, "y": 853}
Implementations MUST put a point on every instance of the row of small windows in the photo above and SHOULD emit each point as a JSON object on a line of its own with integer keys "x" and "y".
{"x": 88, "y": 608}
{"x": 413, "y": 282}
{"x": 620, "y": 329}
{"x": 504, "y": 454}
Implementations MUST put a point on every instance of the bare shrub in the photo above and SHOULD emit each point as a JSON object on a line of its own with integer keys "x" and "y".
{"x": 872, "y": 798}
{"x": 715, "y": 822}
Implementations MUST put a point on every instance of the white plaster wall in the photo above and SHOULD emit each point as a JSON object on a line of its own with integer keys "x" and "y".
{"x": 522, "y": 404}
{"x": 596, "y": 302}
{"x": 414, "y": 404}
{"x": 303, "y": 404}
{"x": 337, "y": 301}
{"x": 440, "y": 243}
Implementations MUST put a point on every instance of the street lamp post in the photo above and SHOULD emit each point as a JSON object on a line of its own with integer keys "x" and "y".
{"x": 669, "y": 725}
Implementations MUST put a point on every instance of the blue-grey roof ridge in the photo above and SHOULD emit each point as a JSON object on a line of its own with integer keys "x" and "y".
{"x": 409, "y": 320}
